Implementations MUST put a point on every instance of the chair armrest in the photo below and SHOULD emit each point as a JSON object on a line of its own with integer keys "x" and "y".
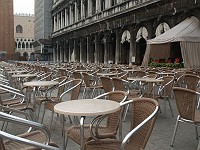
{"x": 8, "y": 109}
{"x": 94, "y": 125}
{"x": 26, "y": 141}
{"x": 12, "y": 91}
{"x": 21, "y": 121}
{"x": 133, "y": 131}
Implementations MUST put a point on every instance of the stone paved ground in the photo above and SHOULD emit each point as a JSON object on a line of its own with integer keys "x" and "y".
{"x": 159, "y": 140}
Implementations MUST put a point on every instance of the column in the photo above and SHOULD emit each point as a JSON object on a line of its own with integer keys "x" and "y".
{"x": 89, "y": 7}
{"x": 81, "y": 50}
{"x": 57, "y": 53}
{"x": 97, "y": 6}
{"x": 118, "y": 39}
{"x": 54, "y": 23}
{"x": 54, "y": 54}
{"x": 132, "y": 53}
{"x": 65, "y": 52}
{"x": 107, "y": 4}
{"x": 96, "y": 49}
{"x": 57, "y": 22}
{"x": 75, "y": 11}
{"x": 105, "y": 48}
{"x": 70, "y": 51}
{"x": 82, "y": 10}
{"x": 61, "y": 53}
{"x": 61, "y": 19}
{"x": 70, "y": 14}
{"x": 88, "y": 49}
{"x": 66, "y": 17}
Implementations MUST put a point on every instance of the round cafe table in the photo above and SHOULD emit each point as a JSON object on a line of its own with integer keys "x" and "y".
{"x": 83, "y": 108}
{"x": 34, "y": 84}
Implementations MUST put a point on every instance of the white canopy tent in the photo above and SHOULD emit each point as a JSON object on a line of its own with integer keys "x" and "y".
{"x": 187, "y": 33}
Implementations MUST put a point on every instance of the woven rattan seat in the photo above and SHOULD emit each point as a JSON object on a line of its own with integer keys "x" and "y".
{"x": 142, "y": 123}
{"x": 105, "y": 131}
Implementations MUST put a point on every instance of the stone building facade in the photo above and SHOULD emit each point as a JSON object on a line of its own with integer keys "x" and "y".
{"x": 24, "y": 36}
{"x": 43, "y": 29}
{"x": 6, "y": 29}
{"x": 102, "y": 31}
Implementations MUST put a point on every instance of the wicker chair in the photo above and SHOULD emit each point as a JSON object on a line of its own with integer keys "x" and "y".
{"x": 123, "y": 85}
{"x": 186, "y": 105}
{"x": 34, "y": 140}
{"x": 143, "y": 119}
{"x": 105, "y": 131}
{"x": 191, "y": 81}
{"x": 74, "y": 89}
{"x": 48, "y": 92}
{"x": 165, "y": 91}
{"x": 179, "y": 78}
{"x": 107, "y": 84}
{"x": 90, "y": 84}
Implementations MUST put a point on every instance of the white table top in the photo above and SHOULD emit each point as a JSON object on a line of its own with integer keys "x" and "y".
{"x": 40, "y": 83}
{"x": 145, "y": 79}
{"x": 23, "y": 75}
{"x": 87, "y": 107}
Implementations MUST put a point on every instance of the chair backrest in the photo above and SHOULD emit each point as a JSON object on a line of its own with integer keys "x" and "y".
{"x": 167, "y": 85}
{"x": 86, "y": 79}
{"x": 191, "y": 81}
{"x": 107, "y": 84}
{"x": 185, "y": 102}
{"x": 75, "y": 86}
{"x": 77, "y": 75}
{"x": 113, "y": 119}
{"x": 141, "y": 73}
{"x": 144, "y": 112}
{"x": 119, "y": 84}
{"x": 179, "y": 77}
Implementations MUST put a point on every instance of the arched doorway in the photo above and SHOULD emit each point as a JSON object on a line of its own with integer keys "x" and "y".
{"x": 141, "y": 44}
{"x": 125, "y": 47}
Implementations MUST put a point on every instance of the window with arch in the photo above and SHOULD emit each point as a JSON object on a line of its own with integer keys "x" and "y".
{"x": 19, "y": 29}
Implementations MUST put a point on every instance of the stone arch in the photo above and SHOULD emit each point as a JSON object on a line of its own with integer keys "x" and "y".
{"x": 141, "y": 38}
{"x": 161, "y": 28}
{"x": 125, "y": 47}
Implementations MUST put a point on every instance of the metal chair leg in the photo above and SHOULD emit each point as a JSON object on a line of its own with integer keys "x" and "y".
{"x": 170, "y": 106}
{"x": 175, "y": 130}
{"x": 125, "y": 113}
{"x": 51, "y": 121}
{"x": 197, "y": 135}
